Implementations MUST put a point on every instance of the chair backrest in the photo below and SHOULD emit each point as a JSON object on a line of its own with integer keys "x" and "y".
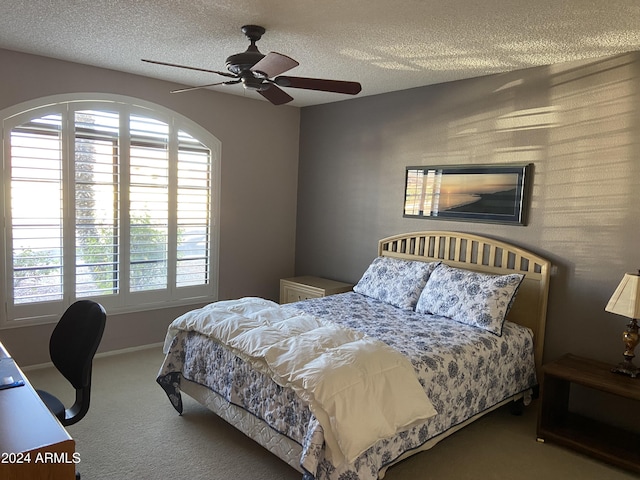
{"x": 75, "y": 339}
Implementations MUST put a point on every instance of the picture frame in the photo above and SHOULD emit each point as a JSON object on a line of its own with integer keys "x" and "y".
{"x": 475, "y": 193}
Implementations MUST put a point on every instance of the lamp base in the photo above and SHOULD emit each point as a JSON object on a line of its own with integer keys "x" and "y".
{"x": 630, "y": 338}
{"x": 627, "y": 368}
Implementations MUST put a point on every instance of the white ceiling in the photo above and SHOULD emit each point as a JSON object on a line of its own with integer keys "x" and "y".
{"x": 383, "y": 44}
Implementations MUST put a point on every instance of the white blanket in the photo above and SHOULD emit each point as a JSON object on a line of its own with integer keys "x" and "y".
{"x": 359, "y": 389}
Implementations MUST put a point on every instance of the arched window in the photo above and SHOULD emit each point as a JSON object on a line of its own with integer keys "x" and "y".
{"x": 111, "y": 200}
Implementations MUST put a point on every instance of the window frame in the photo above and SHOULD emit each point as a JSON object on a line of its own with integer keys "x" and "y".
{"x": 125, "y": 301}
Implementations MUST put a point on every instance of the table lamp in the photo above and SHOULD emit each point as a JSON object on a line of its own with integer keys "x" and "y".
{"x": 625, "y": 301}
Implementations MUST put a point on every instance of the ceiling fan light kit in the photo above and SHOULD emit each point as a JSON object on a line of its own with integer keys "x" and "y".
{"x": 259, "y": 72}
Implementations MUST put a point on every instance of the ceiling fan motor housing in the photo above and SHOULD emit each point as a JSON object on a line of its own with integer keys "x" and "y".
{"x": 241, "y": 62}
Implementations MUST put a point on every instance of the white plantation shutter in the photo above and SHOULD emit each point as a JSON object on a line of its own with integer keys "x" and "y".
{"x": 148, "y": 203}
{"x": 36, "y": 215}
{"x": 107, "y": 202}
{"x": 193, "y": 212}
{"x": 97, "y": 206}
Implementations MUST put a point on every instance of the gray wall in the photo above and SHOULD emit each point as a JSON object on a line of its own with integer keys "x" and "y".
{"x": 578, "y": 123}
{"x": 258, "y": 193}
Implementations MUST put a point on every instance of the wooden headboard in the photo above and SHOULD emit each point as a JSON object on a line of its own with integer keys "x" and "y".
{"x": 482, "y": 254}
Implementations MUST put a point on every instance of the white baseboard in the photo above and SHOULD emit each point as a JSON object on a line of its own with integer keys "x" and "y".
{"x": 130, "y": 349}
{"x": 100, "y": 355}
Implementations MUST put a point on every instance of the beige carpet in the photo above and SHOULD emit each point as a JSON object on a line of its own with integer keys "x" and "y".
{"x": 132, "y": 432}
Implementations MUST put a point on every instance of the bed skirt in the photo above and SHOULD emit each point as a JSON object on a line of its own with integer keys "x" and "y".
{"x": 290, "y": 451}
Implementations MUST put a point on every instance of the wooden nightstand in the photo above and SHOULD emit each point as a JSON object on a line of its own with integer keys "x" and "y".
{"x": 295, "y": 289}
{"x": 557, "y": 424}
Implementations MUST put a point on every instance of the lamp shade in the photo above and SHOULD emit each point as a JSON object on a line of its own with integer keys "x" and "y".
{"x": 626, "y": 299}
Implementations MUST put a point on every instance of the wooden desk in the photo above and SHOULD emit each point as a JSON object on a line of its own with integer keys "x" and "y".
{"x": 33, "y": 443}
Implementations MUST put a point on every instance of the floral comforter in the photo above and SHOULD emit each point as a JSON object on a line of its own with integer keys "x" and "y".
{"x": 464, "y": 370}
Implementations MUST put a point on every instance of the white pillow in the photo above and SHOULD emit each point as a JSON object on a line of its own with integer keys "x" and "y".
{"x": 478, "y": 299}
{"x": 395, "y": 281}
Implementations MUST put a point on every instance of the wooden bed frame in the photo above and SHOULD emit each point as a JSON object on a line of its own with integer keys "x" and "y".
{"x": 471, "y": 252}
{"x": 483, "y": 254}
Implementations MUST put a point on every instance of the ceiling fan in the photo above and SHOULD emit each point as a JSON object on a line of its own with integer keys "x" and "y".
{"x": 262, "y": 73}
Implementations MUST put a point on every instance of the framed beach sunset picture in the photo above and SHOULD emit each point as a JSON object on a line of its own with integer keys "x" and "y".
{"x": 480, "y": 193}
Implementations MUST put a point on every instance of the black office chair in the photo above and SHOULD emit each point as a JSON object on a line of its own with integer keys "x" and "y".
{"x": 72, "y": 347}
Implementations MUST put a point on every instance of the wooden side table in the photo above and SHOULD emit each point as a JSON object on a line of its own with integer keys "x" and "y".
{"x": 295, "y": 289}
{"x": 557, "y": 424}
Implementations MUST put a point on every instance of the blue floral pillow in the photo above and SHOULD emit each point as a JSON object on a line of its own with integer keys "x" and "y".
{"x": 478, "y": 299}
{"x": 395, "y": 281}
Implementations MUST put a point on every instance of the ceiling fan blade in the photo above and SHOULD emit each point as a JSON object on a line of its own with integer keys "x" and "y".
{"x": 224, "y": 74}
{"x": 274, "y": 64}
{"x": 275, "y": 95}
{"x": 188, "y": 89}
{"x": 336, "y": 86}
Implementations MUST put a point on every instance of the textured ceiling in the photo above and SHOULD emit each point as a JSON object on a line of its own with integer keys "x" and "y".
{"x": 385, "y": 45}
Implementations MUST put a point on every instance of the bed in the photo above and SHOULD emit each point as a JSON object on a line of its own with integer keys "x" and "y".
{"x": 419, "y": 300}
